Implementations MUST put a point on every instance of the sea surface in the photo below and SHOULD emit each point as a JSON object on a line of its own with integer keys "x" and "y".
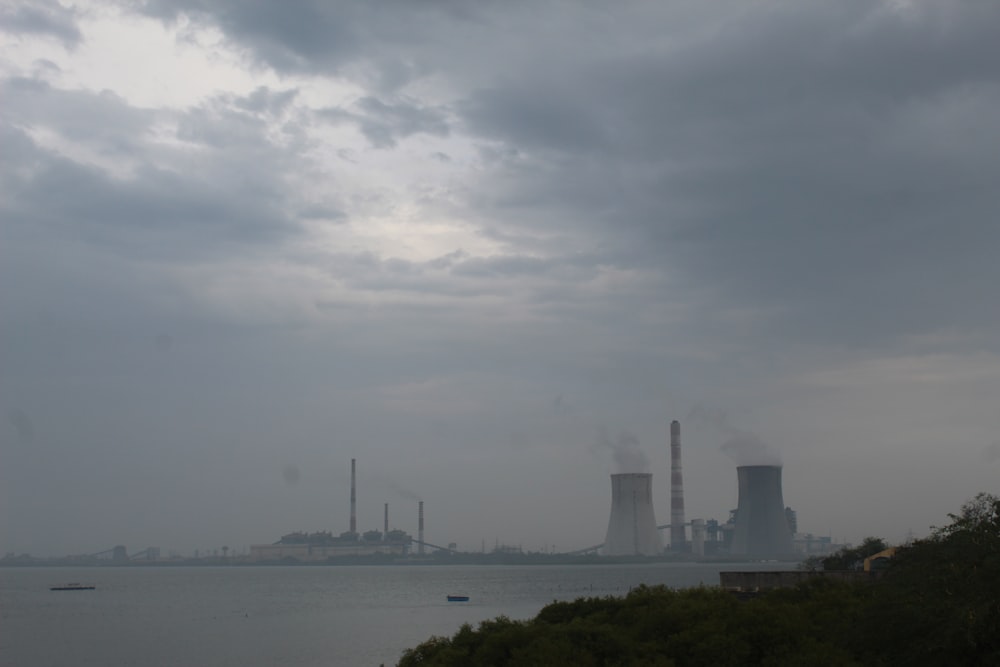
{"x": 306, "y": 616}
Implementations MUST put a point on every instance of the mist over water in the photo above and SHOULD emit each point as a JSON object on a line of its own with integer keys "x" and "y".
{"x": 340, "y": 616}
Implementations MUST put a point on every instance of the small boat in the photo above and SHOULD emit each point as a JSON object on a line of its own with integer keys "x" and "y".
{"x": 458, "y": 598}
{"x": 73, "y": 587}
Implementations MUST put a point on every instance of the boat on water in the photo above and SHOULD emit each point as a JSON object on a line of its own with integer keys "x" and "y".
{"x": 73, "y": 587}
{"x": 458, "y": 598}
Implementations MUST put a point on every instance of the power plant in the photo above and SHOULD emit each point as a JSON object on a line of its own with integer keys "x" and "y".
{"x": 632, "y": 527}
{"x": 761, "y": 525}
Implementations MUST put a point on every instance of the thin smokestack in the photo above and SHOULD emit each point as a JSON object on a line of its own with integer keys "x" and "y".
{"x": 386, "y": 531}
{"x": 677, "y": 539}
{"x": 354, "y": 501}
{"x": 420, "y": 528}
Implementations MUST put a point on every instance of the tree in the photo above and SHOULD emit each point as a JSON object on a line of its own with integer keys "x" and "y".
{"x": 939, "y": 603}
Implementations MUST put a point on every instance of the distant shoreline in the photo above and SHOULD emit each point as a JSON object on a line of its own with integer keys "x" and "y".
{"x": 340, "y": 561}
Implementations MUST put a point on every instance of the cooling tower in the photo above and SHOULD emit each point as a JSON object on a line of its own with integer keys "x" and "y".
{"x": 761, "y": 527}
{"x": 632, "y": 527}
{"x": 677, "y": 539}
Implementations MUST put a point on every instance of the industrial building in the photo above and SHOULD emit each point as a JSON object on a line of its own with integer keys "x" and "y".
{"x": 323, "y": 545}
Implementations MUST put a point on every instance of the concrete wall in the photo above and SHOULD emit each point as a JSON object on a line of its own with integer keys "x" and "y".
{"x": 764, "y": 581}
{"x": 312, "y": 553}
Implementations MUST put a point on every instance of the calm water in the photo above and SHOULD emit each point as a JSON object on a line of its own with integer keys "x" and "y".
{"x": 289, "y": 616}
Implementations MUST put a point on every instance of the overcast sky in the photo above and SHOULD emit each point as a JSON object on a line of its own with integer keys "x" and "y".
{"x": 478, "y": 246}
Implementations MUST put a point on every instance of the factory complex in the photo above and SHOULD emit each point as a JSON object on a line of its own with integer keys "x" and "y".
{"x": 760, "y": 528}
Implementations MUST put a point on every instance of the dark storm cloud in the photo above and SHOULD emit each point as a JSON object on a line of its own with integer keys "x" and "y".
{"x": 41, "y": 17}
{"x": 638, "y": 201}
{"x": 155, "y": 213}
{"x": 285, "y": 35}
{"x": 832, "y": 165}
{"x": 385, "y": 124}
{"x": 164, "y": 205}
{"x": 102, "y": 119}
{"x": 318, "y": 36}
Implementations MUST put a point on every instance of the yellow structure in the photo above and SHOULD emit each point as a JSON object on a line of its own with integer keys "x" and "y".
{"x": 885, "y": 554}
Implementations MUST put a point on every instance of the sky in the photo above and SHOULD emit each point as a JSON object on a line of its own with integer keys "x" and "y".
{"x": 490, "y": 250}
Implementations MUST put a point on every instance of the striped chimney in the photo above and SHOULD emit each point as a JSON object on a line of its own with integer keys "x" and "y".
{"x": 677, "y": 539}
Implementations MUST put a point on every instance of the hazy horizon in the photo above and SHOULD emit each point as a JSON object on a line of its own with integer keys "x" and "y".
{"x": 491, "y": 250}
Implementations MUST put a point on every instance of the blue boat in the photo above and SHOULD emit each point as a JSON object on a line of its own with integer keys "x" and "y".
{"x": 458, "y": 598}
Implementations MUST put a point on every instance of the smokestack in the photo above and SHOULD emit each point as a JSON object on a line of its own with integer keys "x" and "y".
{"x": 354, "y": 501}
{"x": 385, "y": 533}
{"x": 632, "y": 526}
{"x": 677, "y": 539}
{"x": 420, "y": 528}
{"x": 761, "y": 526}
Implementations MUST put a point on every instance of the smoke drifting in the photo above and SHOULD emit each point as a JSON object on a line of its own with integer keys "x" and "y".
{"x": 404, "y": 492}
{"x": 746, "y": 449}
{"x": 743, "y": 447}
{"x": 629, "y": 456}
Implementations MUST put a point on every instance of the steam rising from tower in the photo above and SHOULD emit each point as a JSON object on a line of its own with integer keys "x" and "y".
{"x": 632, "y": 526}
{"x": 761, "y": 527}
{"x": 385, "y": 532}
{"x": 354, "y": 502}
{"x": 677, "y": 539}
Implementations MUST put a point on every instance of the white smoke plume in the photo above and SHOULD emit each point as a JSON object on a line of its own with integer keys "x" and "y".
{"x": 743, "y": 447}
{"x": 628, "y": 455}
{"x": 747, "y": 449}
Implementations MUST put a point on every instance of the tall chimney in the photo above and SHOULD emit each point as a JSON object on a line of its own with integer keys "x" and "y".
{"x": 354, "y": 501}
{"x": 420, "y": 528}
{"x": 385, "y": 533}
{"x": 677, "y": 541}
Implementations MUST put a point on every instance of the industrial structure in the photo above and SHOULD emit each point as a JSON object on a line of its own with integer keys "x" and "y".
{"x": 354, "y": 500}
{"x": 420, "y": 528}
{"x": 761, "y": 527}
{"x": 678, "y": 542}
{"x": 632, "y": 526}
{"x": 324, "y": 545}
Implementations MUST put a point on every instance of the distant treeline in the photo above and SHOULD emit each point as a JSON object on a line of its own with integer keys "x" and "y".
{"x": 937, "y": 604}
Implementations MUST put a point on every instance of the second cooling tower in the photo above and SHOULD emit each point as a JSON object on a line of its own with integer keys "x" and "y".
{"x": 761, "y": 527}
{"x": 632, "y": 527}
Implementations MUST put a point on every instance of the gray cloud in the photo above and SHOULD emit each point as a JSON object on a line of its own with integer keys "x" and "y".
{"x": 42, "y": 17}
{"x": 783, "y": 212}
{"x": 385, "y": 124}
